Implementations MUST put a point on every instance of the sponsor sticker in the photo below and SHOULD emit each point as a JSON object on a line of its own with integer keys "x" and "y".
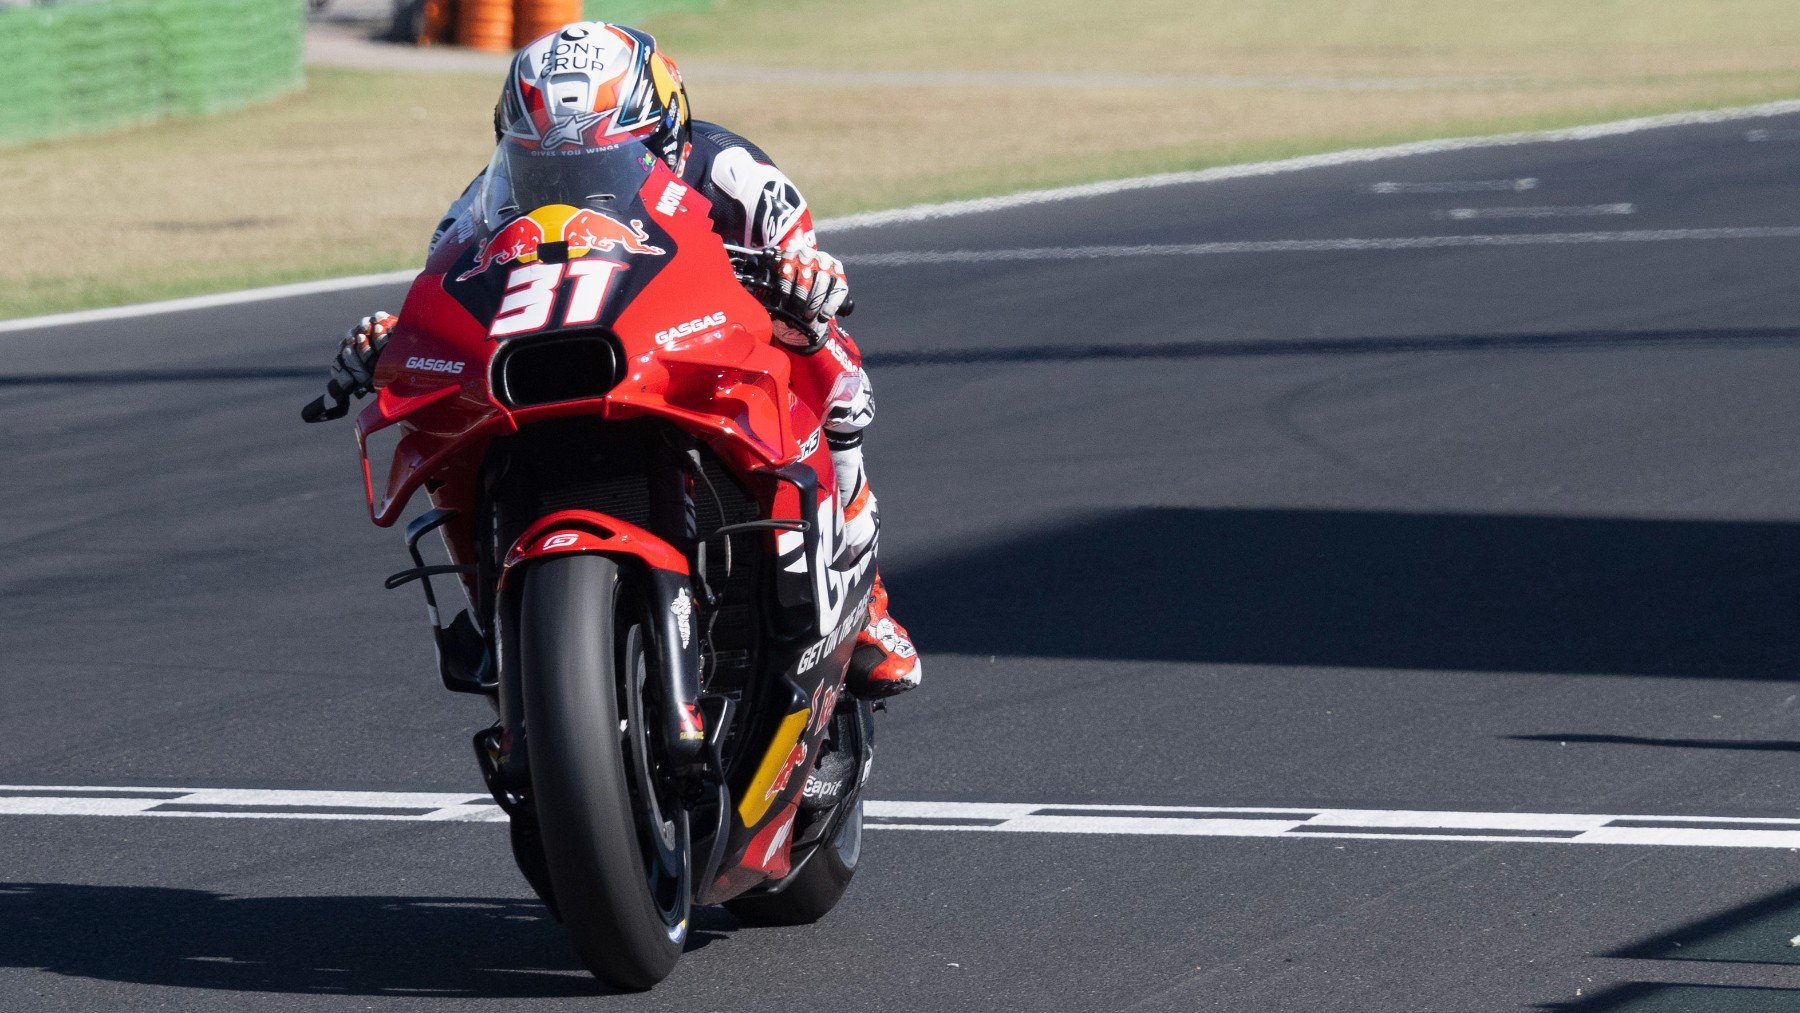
{"x": 852, "y": 624}
{"x": 424, "y": 365}
{"x": 670, "y": 201}
{"x": 693, "y": 326}
{"x": 788, "y": 766}
{"x": 683, "y": 610}
{"x": 824, "y": 791}
{"x": 583, "y": 229}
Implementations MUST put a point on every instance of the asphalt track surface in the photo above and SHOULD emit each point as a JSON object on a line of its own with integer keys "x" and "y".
{"x": 1461, "y": 528}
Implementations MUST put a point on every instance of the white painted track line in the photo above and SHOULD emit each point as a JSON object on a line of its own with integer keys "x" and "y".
{"x": 1539, "y": 211}
{"x": 981, "y": 205}
{"x": 1456, "y": 186}
{"x": 201, "y": 302}
{"x": 909, "y": 258}
{"x": 1353, "y": 156}
{"x": 1294, "y": 823}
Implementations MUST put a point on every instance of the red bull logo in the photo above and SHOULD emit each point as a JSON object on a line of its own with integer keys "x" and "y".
{"x": 590, "y": 230}
{"x": 582, "y": 229}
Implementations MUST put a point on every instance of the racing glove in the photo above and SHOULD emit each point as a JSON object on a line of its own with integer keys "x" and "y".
{"x": 810, "y": 286}
{"x": 354, "y": 368}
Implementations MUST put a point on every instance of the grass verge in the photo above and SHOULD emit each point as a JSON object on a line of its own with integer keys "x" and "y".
{"x": 350, "y": 176}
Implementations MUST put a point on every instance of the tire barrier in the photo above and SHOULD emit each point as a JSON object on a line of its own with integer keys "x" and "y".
{"x": 532, "y": 18}
{"x": 485, "y": 24}
{"x": 498, "y": 26}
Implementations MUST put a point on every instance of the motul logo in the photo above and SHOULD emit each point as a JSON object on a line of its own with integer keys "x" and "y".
{"x": 691, "y": 327}
{"x": 670, "y": 201}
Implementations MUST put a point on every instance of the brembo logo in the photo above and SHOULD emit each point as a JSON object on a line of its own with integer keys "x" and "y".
{"x": 450, "y": 366}
{"x": 692, "y": 326}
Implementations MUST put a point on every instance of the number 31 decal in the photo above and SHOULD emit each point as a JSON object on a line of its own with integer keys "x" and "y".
{"x": 531, "y": 294}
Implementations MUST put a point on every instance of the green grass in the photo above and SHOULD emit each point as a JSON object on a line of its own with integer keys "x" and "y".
{"x": 350, "y": 176}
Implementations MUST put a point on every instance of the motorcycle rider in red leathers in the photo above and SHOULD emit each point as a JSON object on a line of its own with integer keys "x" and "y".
{"x": 590, "y": 83}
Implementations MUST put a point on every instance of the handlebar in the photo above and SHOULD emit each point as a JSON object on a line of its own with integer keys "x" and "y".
{"x": 333, "y": 404}
{"x": 756, "y": 267}
{"x": 753, "y": 266}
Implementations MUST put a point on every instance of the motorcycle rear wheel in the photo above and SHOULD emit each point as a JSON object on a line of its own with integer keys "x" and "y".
{"x": 819, "y": 885}
{"x": 617, "y": 848}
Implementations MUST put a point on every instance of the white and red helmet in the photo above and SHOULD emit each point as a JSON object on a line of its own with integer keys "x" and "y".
{"x": 590, "y": 85}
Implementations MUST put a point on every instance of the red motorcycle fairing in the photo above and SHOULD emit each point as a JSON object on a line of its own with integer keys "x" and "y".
{"x": 719, "y": 378}
{"x": 575, "y": 532}
{"x": 695, "y": 350}
{"x": 568, "y": 532}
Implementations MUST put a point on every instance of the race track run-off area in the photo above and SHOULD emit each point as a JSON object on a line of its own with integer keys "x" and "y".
{"x": 1368, "y": 587}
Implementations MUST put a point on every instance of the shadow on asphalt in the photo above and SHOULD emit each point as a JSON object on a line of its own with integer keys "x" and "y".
{"x": 1655, "y": 997}
{"x": 1701, "y": 599}
{"x": 1379, "y": 345}
{"x": 375, "y": 946}
{"x": 136, "y": 376}
{"x": 1753, "y": 933}
{"x": 1748, "y": 745}
{"x": 1215, "y": 349}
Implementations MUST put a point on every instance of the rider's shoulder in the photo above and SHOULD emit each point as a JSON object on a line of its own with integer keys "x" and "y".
{"x": 711, "y": 140}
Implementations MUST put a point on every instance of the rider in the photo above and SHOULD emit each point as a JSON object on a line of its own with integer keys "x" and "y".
{"x": 593, "y": 83}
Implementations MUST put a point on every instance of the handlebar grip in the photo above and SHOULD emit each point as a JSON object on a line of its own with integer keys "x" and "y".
{"x": 333, "y": 404}
{"x": 847, "y": 308}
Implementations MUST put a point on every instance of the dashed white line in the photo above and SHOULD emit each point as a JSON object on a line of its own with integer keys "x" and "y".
{"x": 1353, "y": 156}
{"x": 1760, "y": 135}
{"x": 1456, "y": 186}
{"x": 908, "y": 258}
{"x": 1026, "y": 198}
{"x": 1291, "y": 823}
{"x": 1540, "y": 211}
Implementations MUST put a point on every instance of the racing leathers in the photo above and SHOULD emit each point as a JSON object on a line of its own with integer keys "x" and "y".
{"x": 755, "y": 205}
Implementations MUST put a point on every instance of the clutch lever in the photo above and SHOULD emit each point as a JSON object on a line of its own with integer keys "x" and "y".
{"x": 333, "y": 404}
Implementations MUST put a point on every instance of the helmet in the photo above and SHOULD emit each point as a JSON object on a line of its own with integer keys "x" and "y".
{"x": 593, "y": 85}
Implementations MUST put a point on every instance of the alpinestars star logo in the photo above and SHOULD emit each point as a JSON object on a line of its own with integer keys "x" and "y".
{"x": 776, "y": 210}
{"x": 570, "y": 128}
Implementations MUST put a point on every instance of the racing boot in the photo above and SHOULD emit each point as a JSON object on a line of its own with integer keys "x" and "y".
{"x": 885, "y": 661}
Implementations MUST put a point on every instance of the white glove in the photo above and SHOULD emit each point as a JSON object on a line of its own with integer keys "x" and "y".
{"x": 811, "y": 285}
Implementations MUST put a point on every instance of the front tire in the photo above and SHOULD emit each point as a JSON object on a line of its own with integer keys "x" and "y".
{"x": 616, "y": 848}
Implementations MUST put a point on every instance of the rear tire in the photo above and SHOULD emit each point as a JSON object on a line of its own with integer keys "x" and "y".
{"x": 819, "y": 886}
{"x": 618, "y": 864}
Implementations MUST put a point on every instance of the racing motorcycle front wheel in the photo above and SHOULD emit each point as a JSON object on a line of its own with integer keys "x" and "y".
{"x": 615, "y": 838}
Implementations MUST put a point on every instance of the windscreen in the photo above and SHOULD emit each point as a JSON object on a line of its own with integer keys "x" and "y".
{"x": 520, "y": 181}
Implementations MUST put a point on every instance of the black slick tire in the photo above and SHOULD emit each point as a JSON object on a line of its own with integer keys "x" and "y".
{"x": 580, "y": 773}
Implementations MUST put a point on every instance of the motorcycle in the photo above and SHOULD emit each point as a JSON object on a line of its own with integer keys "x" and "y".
{"x": 645, "y": 523}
